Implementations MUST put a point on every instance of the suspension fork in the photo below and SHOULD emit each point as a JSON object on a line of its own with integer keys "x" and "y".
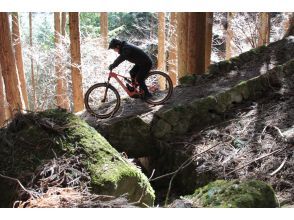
{"x": 105, "y": 93}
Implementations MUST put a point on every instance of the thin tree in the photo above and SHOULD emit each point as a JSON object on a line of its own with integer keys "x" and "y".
{"x": 16, "y": 39}
{"x": 161, "y": 40}
{"x": 63, "y": 24}
{"x": 229, "y": 35}
{"x": 34, "y": 95}
{"x": 8, "y": 66}
{"x": 77, "y": 84}
{"x": 2, "y": 101}
{"x": 161, "y": 62}
{"x": 61, "y": 96}
{"x": 208, "y": 39}
{"x": 172, "y": 49}
{"x": 290, "y": 30}
{"x": 264, "y": 29}
{"x": 182, "y": 39}
{"x": 151, "y": 27}
{"x": 104, "y": 29}
{"x": 64, "y": 78}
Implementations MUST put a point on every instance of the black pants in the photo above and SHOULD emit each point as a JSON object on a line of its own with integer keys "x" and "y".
{"x": 139, "y": 72}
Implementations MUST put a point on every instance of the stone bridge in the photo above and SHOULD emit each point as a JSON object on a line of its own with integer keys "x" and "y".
{"x": 200, "y": 100}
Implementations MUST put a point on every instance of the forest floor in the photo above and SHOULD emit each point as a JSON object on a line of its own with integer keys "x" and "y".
{"x": 254, "y": 144}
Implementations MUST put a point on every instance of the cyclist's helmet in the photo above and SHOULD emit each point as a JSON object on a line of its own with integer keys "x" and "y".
{"x": 114, "y": 43}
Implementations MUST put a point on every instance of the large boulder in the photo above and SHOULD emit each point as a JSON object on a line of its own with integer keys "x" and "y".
{"x": 235, "y": 194}
{"x": 33, "y": 138}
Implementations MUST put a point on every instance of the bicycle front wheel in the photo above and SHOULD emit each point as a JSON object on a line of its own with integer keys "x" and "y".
{"x": 102, "y": 100}
{"x": 160, "y": 86}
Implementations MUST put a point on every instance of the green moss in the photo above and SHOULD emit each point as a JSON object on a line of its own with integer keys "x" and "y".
{"x": 214, "y": 68}
{"x": 236, "y": 61}
{"x": 188, "y": 80}
{"x": 204, "y": 104}
{"x": 248, "y": 194}
{"x": 240, "y": 92}
{"x": 225, "y": 66}
{"x": 258, "y": 50}
{"x": 224, "y": 101}
{"x": 246, "y": 57}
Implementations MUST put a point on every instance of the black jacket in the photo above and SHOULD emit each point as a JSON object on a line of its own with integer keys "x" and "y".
{"x": 132, "y": 54}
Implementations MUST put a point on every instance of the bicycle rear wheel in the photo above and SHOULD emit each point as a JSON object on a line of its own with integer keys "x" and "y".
{"x": 160, "y": 86}
{"x": 102, "y": 100}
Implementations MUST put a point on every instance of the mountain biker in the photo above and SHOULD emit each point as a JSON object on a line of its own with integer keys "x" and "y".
{"x": 133, "y": 54}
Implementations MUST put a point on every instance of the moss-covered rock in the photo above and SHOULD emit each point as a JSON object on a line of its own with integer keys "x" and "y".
{"x": 188, "y": 80}
{"x": 130, "y": 135}
{"x": 225, "y": 66}
{"x": 174, "y": 120}
{"x": 236, "y": 61}
{"x": 31, "y": 139}
{"x": 235, "y": 194}
{"x": 161, "y": 129}
{"x": 213, "y": 69}
{"x": 251, "y": 54}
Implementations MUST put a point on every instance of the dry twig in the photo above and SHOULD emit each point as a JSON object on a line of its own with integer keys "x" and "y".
{"x": 183, "y": 165}
{"x": 280, "y": 167}
{"x": 252, "y": 161}
{"x": 31, "y": 193}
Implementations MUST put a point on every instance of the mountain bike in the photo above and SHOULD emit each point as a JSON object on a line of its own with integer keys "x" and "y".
{"x": 102, "y": 100}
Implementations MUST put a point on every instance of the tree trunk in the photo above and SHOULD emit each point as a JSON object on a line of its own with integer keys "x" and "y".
{"x": 64, "y": 78}
{"x": 151, "y": 26}
{"x": 32, "y": 65}
{"x": 191, "y": 49}
{"x": 182, "y": 39}
{"x": 196, "y": 43}
{"x": 264, "y": 29}
{"x": 290, "y": 30}
{"x": 2, "y": 101}
{"x": 208, "y": 38}
{"x": 161, "y": 40}
{"x": 63, "y": 24}
{"x": 229, "y": 35}
{"x": 18, "y": 57}
{"x": 104, "y": 29}
{"x": 172, "y": 58}
{"x": 8, "y": 66}
{"x": 77, "y": 84}
{"x": 61, "y": 96}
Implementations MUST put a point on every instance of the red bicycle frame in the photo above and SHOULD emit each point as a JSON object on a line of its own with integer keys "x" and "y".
{"x": 116, "y": 77}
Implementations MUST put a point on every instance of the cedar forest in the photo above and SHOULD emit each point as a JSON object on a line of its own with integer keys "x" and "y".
{"x": 222, "y": 136}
